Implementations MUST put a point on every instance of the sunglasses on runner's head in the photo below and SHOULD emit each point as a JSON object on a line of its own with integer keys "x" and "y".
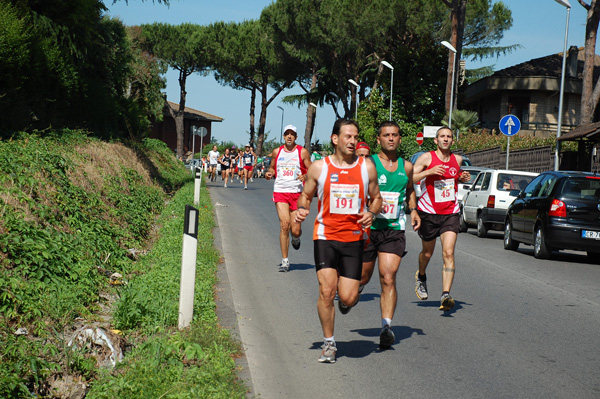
{"x": 289, "y": 133}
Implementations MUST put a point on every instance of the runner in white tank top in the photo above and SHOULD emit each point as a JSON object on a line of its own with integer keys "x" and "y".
{"x": 289, "y": 164}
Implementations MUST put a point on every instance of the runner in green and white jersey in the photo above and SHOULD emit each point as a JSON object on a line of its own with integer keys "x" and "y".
{"x": 387, "y": 240}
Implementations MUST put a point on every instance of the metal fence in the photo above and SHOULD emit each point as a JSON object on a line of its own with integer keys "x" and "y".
{"x": 539, "y": 159}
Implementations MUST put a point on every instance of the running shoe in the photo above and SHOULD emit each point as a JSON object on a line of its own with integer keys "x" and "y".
{"x": 328, "y": 353}
{"x": 344, "y": 309}
{"x": 420, "y": 287}
{"x": 285, "y": 266}
{"x": 386, "y": 338}
{"x": 446, "y": 302}
{"x": 296, "y": 242}
{"x": 251, "y": 180}
{"x": 245, "y": 187}
{"x": 225, "y": 185}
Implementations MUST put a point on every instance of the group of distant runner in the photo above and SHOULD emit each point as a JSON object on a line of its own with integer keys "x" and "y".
{"x": 361, "y": 215}
{"x": 232, "y": 163}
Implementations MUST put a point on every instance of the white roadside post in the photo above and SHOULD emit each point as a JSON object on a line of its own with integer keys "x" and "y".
{"x": 188, "y": 267}
{"x": 197, "y": 184}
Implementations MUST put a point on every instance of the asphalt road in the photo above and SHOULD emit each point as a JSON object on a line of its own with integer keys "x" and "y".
{"x": 522, "y": 328}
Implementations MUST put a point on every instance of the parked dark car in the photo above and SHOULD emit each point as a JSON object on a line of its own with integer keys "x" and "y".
{"x": 557, "y": 210}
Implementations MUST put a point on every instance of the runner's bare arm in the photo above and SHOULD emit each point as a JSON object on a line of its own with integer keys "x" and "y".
{"x": 415, "y": 219}
{"x": 271, "y": 172}
{"x": 305, "y": 155}
{"x": 465, "y": 176}
{"x": 420, "y": 170}
{"x": 310, "y": 188}
{"x": 366, "y": 217}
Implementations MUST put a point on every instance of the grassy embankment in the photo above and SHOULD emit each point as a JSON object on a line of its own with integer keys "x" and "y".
{"x": 90, "y": 238}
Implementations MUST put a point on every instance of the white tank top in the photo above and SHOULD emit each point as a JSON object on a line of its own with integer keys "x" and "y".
{"x": 289, "y": 166}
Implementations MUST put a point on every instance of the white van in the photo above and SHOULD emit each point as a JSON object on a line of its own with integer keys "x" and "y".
{"x": 485, "y": 204}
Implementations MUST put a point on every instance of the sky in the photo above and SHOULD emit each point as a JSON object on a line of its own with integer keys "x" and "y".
{"x": 538, "y": 27}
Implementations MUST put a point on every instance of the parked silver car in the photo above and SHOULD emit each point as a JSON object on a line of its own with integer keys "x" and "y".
{"x": 486, "y": 203}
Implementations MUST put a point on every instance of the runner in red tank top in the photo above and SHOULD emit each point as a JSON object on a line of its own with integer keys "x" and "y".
{"x": 342, "y": 183}
{"x": 438, "y": 209}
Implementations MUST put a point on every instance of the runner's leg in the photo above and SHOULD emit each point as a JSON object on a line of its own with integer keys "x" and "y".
{"x": 425, "y": 255}
{"x": 367, "y": 272}
{"x": 328, "y": 284}
{"x": 283, "y": 211}
{"x": 388, "y": 267}
{"x": 448, "y": 239}
{"x": 347, "y": 290}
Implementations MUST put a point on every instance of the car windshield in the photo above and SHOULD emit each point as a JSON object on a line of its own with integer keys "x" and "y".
{"x": 513, "y": 181}
{"x": 581, "y": 188}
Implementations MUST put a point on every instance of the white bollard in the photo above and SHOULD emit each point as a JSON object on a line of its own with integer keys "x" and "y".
{"x": 197, "y": 183}
{"x": 188, "y": 267}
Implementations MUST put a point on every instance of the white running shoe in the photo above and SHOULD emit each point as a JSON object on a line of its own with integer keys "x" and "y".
{"x": 285, "y": 266}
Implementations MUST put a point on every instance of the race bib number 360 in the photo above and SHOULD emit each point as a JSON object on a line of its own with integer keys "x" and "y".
{"x": 444, "y": 190}
{"x": 287, "y": 171}
{"x": 344, "y": 198}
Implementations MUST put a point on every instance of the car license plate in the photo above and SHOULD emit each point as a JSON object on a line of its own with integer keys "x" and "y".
{"x": 590, "y": 234}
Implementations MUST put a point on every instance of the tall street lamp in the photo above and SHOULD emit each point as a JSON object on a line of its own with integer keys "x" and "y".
{"x": 282, "y": 113}
{"x": 314, "y": 122}
{"x": 388, "y": 65}
{"x": 451, "y": 48}
{"x": 353, "y": 83}
{"x": 562, "y": 84}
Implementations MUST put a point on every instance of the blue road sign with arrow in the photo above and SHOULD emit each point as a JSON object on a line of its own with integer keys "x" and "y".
{"x": 510, "y": 125}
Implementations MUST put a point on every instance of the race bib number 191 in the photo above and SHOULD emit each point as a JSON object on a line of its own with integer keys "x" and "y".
{"x": 343, "y": 198}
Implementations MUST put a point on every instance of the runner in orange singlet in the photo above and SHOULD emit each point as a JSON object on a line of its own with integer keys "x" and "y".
{"x": 438, "y": 209}
{"x": 342, "y": 182}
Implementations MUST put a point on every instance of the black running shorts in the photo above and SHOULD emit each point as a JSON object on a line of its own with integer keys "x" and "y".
{"x": 345, "y": 257}
{"x": 390, "y": 241}
{"x": 432, "y": 226}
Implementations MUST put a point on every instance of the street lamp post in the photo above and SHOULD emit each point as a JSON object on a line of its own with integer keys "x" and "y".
{"x": 282, "y": 113}
{"x": 451, "y": 48}
{"x": 314, "y": 122}
{"x": 388, "y": 65}
{"x": 562, "y": 84}
{"x": 353, "y": 83}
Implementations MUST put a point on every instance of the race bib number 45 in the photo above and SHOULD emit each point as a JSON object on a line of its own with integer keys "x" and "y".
{"x": 444, "y": 190}
{"x": 344, "y": 198}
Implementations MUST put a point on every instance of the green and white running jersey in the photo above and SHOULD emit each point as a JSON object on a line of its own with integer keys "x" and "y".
{"x": 392, "y": 186}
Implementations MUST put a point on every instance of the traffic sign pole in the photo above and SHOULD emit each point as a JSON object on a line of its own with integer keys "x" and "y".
{"x": 509, "y": 126}
{"x": 420, "y": 139}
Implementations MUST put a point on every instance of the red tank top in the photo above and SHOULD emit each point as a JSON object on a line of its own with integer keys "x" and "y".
{"x": 342, "y": 194}
{"x": 440, "y": 196}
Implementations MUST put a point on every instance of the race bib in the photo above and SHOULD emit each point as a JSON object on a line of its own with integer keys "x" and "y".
{"x": 444, "y": 190}
{"x": 389, "y": 209}
{"x": 287, "y": 171}
{"x": 344, "y": 198}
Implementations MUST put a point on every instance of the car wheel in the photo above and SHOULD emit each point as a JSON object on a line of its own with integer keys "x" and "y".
{"x": 481, "y": 228}
{"x": 463, "y": 224}
{"x": 509, "y": 243}
{"x": 593, "y": 256}
{"x": 540, "y": 249}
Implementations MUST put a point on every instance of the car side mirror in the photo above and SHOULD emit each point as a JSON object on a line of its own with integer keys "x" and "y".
{"x": 514, "y": 193}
